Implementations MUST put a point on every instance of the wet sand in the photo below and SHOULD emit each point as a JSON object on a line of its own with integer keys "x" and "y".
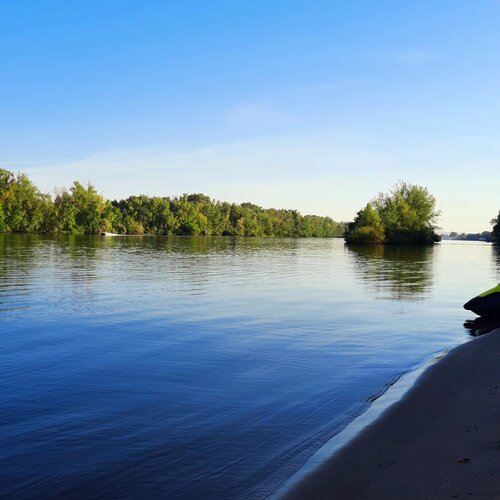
{"x": 442, "y": 440}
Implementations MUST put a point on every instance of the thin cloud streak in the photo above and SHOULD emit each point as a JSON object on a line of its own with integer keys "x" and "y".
{"x": 256, "y": 114}
{"x": 9, "y": 164}
{"x": 407, "y": 56}
{"x": 324, "y": 173}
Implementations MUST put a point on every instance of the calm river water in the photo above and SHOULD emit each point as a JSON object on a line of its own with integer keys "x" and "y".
{"x": 206, "y": 368}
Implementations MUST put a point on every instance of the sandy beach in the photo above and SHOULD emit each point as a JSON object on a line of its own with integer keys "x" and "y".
{"x": 442, "y": 440}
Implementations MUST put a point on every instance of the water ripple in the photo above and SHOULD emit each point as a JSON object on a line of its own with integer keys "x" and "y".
{"x": 205, "y": 367}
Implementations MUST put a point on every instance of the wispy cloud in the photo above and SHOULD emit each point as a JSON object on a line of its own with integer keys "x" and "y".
{"x": 256, "y": 113}
{"x": 31, "y": 163}
{"x": 308, "y": 168}
{"x": 315, "y": 172}
{"x": 407, "y": 56}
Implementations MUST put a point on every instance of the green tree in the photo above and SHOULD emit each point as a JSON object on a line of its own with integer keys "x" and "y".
{"x": 89, "y": 205}
{"x": 23, "y": 205}
{"x": 65, "y": 212}
{"x": 83, "y": 210}
{"x": 367, "y": 227}
{"x": 186, "y": 213}
{"x": 7, "y": 179}
{"x": 407, "y": 208}
{"x": 2, "y": 219}
{"x": 111, "y": 219}
{"x": 407, "y": 214}
{"x": 495, "y": 233}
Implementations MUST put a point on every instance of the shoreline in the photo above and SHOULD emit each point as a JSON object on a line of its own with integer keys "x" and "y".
{"x": 375, "y": 407}
{"x": 440, "y": 440}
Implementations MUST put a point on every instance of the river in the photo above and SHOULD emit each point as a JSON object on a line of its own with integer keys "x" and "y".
{"x": 203, "y": 368}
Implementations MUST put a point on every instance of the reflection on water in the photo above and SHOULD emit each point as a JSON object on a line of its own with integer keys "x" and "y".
{"x": 480, "y": 326}
{"x": 398, "y": 272}
{"x": 495, "y": 249}
{"x": 17, "y": 261}
{"x": 205, "y": 367}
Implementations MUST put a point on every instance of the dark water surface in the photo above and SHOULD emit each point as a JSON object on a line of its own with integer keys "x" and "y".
{"x": 206, "y": 367}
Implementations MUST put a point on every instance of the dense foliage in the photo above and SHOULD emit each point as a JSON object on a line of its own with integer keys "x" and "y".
{"x": 407, "y": 214}
{"x": 82, "y": 210}
{"x": 495, "y": 233}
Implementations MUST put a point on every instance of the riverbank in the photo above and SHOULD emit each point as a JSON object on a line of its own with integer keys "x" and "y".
{"x": 442, "y": 440}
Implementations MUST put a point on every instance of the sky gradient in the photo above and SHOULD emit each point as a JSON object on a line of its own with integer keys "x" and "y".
{"x": 312, "y": 105}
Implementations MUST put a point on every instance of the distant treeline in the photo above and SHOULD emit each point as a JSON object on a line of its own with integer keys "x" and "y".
{"x": 484, "y": 236}
{"x": 82, "y": 210}
{"x": 495, "y": 233}
{"x": 489, "y": 236}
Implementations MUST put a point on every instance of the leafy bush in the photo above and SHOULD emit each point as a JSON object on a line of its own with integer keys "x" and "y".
{"x": 406, "y": 214}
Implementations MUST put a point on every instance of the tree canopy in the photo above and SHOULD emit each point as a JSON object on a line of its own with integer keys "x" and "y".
{"x": 406, "y": 214}
{"x": 495, "y": 232}
{"x": 82, "y": 210}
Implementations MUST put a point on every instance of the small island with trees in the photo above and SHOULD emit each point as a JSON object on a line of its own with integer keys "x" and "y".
{"x": 406, "y": 214}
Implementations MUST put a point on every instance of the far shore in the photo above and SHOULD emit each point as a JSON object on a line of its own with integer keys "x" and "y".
{"x": 441, "y": 440}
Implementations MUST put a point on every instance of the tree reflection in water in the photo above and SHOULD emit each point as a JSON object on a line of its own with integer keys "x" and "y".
{"x": 397, "y": 272}
{"x": 18, "y": 267}
{"x": 495, "y": 249}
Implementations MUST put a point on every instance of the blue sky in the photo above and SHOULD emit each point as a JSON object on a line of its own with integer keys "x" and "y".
{"x": 313, "y": 105}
